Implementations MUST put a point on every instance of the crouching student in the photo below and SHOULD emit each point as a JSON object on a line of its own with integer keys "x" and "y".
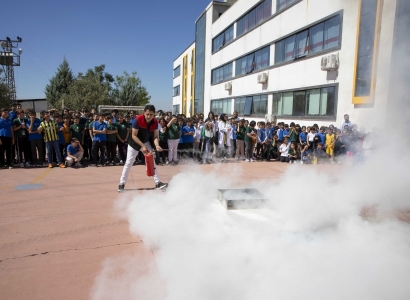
{"x": 293, "y": 155}
{"x": 284, "y": 151}
{"x": 75, "y": 153}
{"x": 320, "y": 154}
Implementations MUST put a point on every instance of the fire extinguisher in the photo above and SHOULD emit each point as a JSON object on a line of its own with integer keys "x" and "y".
{"x": 149, "y": 164}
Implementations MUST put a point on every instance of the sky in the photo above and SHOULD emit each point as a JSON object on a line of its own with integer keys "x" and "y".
{"x": 141, "y": 36}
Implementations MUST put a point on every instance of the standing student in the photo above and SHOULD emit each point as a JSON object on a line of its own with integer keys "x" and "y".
{"x": 163, "y": 140}
{"x": 250, "y": 140}
{"x": 112, "y": 132}
{"x": 6, "y": 139}
{"x": 208, "y": 137}
{"x": 311, "y": 138}
{"x": 77, "y": 131}
{"x": 21, "y": 135}
{"x": 188, "y": 132}
{"x": 240, "y": 144}
{"x": 330, "y": 144}
{"x": 122, "y": 138}
{"x": 144, "y": 131}
{"x": 51, "y": 138}
{"x": 224, "y": 143}
{"x": 36, "y": 140}
{"x": 232, "y": 136}
{"x": 99, "y": 140}
{"x": 174, "y": 134}
{"x": 197, "y": 140}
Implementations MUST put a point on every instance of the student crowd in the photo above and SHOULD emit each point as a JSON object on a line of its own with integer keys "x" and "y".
{"x": 68, "y": 138}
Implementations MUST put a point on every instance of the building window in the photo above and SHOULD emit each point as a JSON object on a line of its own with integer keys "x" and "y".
{"x": 256, "y": 105}
{"x": 176, "y": 91}
{"x": 222, "y": 73}
{"x": 253, "y": 18}
{"x": 322, "y": 36}
{"x": 254, "y": 61}
{"x": 175, "y": 109}
{"x": 315, "y": 103}
{"x": 177, "y": 71}
{"x": 282, "y": 4}
{"x": 222, "y": 39}
{"x": 222, "y": 106}
{"x": 366, "y": 51}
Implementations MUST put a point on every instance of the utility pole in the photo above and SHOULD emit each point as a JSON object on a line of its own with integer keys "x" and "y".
{"x": 9, "y": 59}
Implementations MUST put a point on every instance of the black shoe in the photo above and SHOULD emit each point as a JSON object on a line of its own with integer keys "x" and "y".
{"x": 121, "y": 188}
{"x": 160, "y": 185}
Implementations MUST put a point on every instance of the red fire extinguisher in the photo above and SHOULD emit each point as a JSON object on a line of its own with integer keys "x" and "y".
{"x": 149, "y": 163}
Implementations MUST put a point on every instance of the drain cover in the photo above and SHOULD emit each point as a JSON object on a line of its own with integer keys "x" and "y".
{"x": 241, "y": 198}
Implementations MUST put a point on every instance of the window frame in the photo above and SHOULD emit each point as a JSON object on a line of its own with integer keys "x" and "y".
{"x": 250, "y": 58}
{"x": 178, "y": 88}
{"x": 179, "y": 68}
{"x": 224, "y": 40}
{"x": 240, "y": 104}
{"x": 319, "y": 117}
{"x": 241, "y": 20}
{"x": 282, "y": 41}
{"x": 217, "y": 106}
{"x": 215, "y": 71}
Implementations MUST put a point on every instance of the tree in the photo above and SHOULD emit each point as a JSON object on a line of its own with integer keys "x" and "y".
{"x": 5, "y": 98}
{"x": 129, "y": 91}
{"x": 58, "y": 88}
{"x": 90, "y": 90}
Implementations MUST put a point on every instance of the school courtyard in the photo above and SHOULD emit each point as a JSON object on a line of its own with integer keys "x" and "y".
{"x": 59, "y": 225}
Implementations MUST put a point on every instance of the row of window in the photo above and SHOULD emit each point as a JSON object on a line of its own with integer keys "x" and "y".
{"x": 318, "y": 103}
{"x": 250, "y": 20}
{"x": 282, "y": 4}
{"x": 177, "y": 71}
{"x": 254, "y": 17}
{"x": 319, "y": 37}
{"x": 254, "y": 61}
{"x": 176, "y": 91}
{"x": 222, "y": 39}
{"x": 222, "y": 73}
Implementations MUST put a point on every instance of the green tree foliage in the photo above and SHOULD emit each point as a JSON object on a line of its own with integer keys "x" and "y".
{"x": 58, "y": 87}
{"x": 90, "y": 90}
{"x": 5, "y": 99}
{"x": 129, "y": 91}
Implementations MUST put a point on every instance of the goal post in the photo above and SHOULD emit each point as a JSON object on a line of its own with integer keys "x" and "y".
{"x": 120, "y": 108}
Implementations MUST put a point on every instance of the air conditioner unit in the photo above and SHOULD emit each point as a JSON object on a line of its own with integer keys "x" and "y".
{"x": 330, "y": 62}
{"x": 228, "y": 86}
{"x": 263, "y": 78}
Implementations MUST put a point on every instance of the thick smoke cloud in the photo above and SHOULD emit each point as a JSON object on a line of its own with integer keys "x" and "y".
{"x": 311, "y": 241}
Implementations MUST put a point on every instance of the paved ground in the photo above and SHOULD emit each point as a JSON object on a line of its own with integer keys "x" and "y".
{"x": 53, "y": 239}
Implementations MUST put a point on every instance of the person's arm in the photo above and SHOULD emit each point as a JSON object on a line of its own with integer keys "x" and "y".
{"x": 156, "y": 141}
{"x": 81, "y": 148}
{"x": 16, "y": 127}
{"x": 39, "y": 129}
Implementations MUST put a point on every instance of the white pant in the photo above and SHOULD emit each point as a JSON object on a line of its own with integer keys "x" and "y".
{"x": 173, "y": 150}
{"x": 78, "y": 155}
{"x": 131, "y": 155}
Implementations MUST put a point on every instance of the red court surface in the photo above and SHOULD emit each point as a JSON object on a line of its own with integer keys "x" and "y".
{"x": 55, "y": 238}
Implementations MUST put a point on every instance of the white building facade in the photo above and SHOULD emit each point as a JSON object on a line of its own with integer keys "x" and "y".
{"x": 306, "y": 61}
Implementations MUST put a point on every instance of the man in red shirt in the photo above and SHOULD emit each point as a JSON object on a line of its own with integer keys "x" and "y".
{"x": 144, "y": 131}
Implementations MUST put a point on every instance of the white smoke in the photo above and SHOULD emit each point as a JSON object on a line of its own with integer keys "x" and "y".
{"x": 309, "y": 242}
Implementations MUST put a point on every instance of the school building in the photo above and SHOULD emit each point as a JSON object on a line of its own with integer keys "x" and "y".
{"x": 307, "y": 61}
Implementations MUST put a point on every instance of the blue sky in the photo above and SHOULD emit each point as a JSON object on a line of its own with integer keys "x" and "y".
{"x": 142, "y": 36}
